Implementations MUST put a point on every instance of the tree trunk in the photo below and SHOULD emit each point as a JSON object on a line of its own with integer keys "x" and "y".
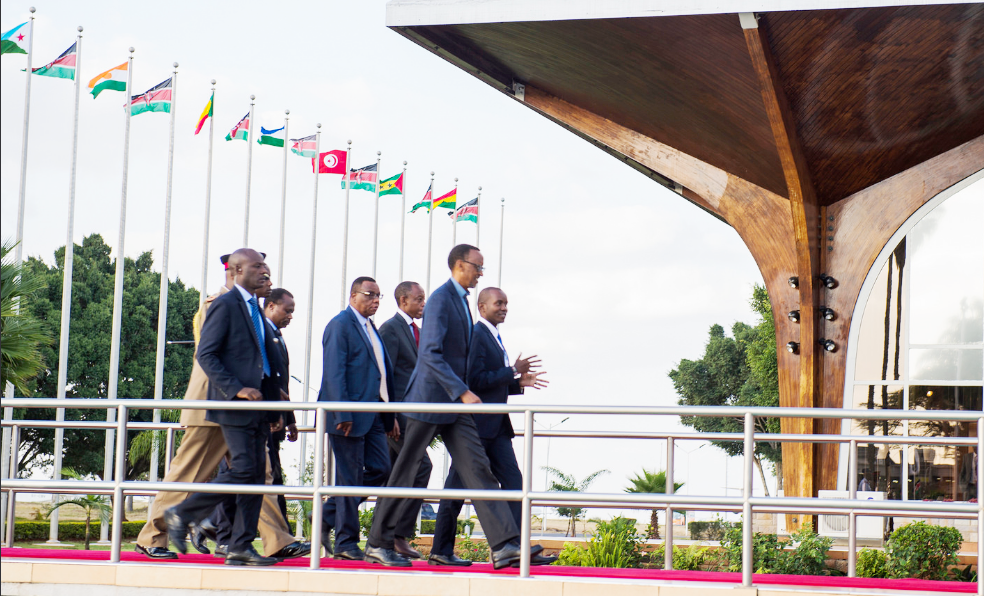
{"x": 654, "y": 524}
{"x": 758, "y": 464}
{"x": 87, "y": 518}
{"x": 778, "y": 469}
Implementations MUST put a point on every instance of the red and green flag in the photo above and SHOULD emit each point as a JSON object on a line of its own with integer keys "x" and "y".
{"x": 425, "y": 203}
{"x": 63, "y": 67}
{"x": 241, "y": 130}
{"x": 392, "y": 186}
{"x": 206, "y": 114}
{"x": 155, "y": 99}
{"x": 467, "y": 212}
{"x": 361, "y": 179}
{"x": 447, "y": 200}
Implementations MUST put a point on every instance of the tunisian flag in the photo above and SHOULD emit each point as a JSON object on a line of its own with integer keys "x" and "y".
{"x": 331, "y": 162}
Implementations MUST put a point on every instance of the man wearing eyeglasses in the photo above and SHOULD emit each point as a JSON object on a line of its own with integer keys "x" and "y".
{"x": 440, "y": 377}
{"x": 356, "y": 369}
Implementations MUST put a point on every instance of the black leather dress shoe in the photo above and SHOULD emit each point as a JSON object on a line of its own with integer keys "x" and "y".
{"x": 177, "y": 530}
{"x": 352, "y": 554}
{"x": 386, "y": 556}
{"x": 293, "y": 550}
{"x": 248, "y": 556}
{"x": 198, "y": 540}
{"x": 221, "y": 550}
{"x": 453, "y": 560}
{"x": 505, "y": 556}
{"x": 156, "y": 552}
{"x": 401, "y": 546}
{"x": 536, "y": 560}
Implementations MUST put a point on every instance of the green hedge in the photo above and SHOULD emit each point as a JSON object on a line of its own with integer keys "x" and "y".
{"x": 706, "y": 530}
{"x": 33, "y": 531}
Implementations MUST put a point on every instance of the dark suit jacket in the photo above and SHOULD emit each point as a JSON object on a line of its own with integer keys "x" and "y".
{"x": 350, "y": 373}
{"x": 402, "y": 350}
{"x": 278, "y": 338}
{"x": 229, "y": 353}
{"x": 491, "y": 380}
{"x": 442, "y": 360}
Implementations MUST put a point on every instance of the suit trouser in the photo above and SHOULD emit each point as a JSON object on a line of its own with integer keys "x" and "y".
{"x": 247, "y": 452}
{"x": 272, "y": 525}
{"x": 502, "y": 460}
{"x": 277, "y": 469}
{"x": 462, "y": 441}
{"x": 359, "y": 461}
{"x": 408, "y": 525}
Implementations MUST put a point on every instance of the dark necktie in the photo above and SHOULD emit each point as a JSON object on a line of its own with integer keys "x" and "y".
{"x": 416, "y": 333}
{"x": 254, "y": 313}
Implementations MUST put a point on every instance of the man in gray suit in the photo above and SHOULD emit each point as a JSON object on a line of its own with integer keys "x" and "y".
{"x": 401, "y": 336}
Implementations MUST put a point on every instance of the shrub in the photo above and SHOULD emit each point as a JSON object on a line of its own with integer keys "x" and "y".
{"x": 365, "y": 520}
{"x": 30, "y": 531}
{"x": 769, "y": 554}
{"x": 427, "y": 526}
{"x": 871, "y": 563}
{"x": 464, "y": 524}
{"x": 922, "y": 551}
{"x": 706, "y": 530}
{"x": 571, "y": 555}
{"x": 472, "y": 551}
{"x": 810, "y": 555}
{"x": 689, "y": 559}
{"x": 614, "y": 544}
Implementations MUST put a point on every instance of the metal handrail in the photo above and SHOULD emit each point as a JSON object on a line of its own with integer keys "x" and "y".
{"x": 747, "y": 503}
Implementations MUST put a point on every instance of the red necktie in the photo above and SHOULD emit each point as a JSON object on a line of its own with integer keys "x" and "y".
{"x": 416, "y": 333}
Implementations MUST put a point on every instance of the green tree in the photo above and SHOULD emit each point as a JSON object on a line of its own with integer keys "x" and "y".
{"x": 568, "y": 483}
{"x": 89, "y": 347}
{"x": 22, "y": 334}
{"x": 736, "y": 371}
{"x": 653, "y": 483}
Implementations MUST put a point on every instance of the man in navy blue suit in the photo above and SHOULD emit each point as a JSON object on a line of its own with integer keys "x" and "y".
{"x": 493, "y": 378}
{"x": 242, "y": 362}
{"x": 356, "y": 369}
{"x": 440, "y": 377}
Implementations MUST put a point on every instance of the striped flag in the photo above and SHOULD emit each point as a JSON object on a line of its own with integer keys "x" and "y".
{"x": 241, "y": 130}
{"x": 113, "y": 79}
{"x": 361, "y": 179}
{"x": 305, "y": 147}
{"x": 63, "y": 67}
{"x": 274, "y": 138}
{"x": 206, "y": 114}
{"x": 467, "y": 212}
{"x": 392, "y": 186}
{"x": 425, "y": 203}
{"x": 155, "y": 99}
{"x": 447, "y": 200}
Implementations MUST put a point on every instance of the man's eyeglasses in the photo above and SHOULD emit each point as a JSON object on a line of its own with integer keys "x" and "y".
{"x": 479, "y": 268}
{"x": 371, "y": 295}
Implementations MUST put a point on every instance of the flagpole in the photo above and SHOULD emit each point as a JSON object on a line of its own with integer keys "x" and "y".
{"x": 454, "y": 220}
{"x": 502, "y": 218}
{"x": 283, "y": 208}
{"x": 66, "y": 306}
{"x": 165, "y": 253}
{"x": 348, "y": 183}
{"x": 478, "y": 218}
{"x": 114, "y": 350}
{"x": 375, "y": 227}
{"x": 19, "y": 238}
{"x": 249, "y": 168}
{"x": 208, "y": 202}
{"x": 310, "y": 316}
{"x": 403, "y": 217}
{"x": 430, "y": 234}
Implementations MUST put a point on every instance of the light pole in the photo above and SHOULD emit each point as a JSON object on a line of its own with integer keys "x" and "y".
{"x": 543, "y": 519}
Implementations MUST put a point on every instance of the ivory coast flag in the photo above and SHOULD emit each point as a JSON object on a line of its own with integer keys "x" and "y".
{"x": 113, "y": 79}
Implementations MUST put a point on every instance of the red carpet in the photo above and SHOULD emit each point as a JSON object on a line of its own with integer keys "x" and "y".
{"x": 550, "y": 571}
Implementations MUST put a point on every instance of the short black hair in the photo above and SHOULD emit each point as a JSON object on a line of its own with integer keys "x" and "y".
{"x": 357, "y": 284}
{"x": 484, "y": 294}
{"x": 459, "y": 253}
{"x": 276, "y": 297}
{"x": 403, "y": 289}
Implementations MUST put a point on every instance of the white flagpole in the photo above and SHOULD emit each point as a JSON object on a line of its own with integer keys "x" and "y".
{"x": 478, "y": 219}
{"x": 66, "y": 306}
{"x": 348, "y": 183}
{"x": 203, "y": 289}
{"x": 165, "y": 253}
{"x": 283, "y": 208}
{"x": 454, "y": 220}
{"x": 502, "y": 218}
{"x": 114, "y": 350}
{"x": 430, "y": 233}
{"x": 310, "y": 314}
{"x": 403, "y": 218}
{"x": 19, "y": 238}
{"x": 249, "y": 168}
{"x": 375, "y": 226}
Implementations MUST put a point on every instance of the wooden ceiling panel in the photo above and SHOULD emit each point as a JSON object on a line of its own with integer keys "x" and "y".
{"x": 877, "y": 91}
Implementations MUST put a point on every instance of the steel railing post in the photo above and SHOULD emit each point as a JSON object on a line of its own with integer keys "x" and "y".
{"x": 118, "y": 478}
{"x": 668, "y": 541}
{"x": 316, "y": 481}
{"x": 11, "y": 500}
{"x": 746, "y": 512}
{"x": 852, "y": 494}
{"x": 12, "y": 473}
{"x": 525, "y": 529}
{"x": 980, "y": 505}
{"x": 168, "y": 450}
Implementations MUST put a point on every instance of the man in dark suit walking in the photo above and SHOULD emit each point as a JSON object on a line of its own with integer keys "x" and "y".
{"x": 401, "y": 336}
{"x": 493, "y": 378}
{"x": 440, "y": 378}
{"x": 242, "y": 362}
{"x": 356, "y": 369}
{"x": 278, "y": 309}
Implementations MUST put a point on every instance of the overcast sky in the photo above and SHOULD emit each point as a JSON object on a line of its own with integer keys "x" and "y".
{"x": 611, "y": 278}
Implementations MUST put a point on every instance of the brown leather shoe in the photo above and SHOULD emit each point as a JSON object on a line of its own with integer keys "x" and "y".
{"x": 401, "y": 546}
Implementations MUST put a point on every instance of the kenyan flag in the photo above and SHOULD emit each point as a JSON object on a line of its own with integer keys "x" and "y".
{"x": 63, "y": 67}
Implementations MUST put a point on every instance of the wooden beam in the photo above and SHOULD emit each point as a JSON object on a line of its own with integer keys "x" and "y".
{"x": 804, "y": 214}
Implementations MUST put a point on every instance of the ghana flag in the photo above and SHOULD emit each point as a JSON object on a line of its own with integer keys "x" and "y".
{"x": 447, "y": 200}
{"x": 392, "y": 186}
{"x": 63, "y": 67}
